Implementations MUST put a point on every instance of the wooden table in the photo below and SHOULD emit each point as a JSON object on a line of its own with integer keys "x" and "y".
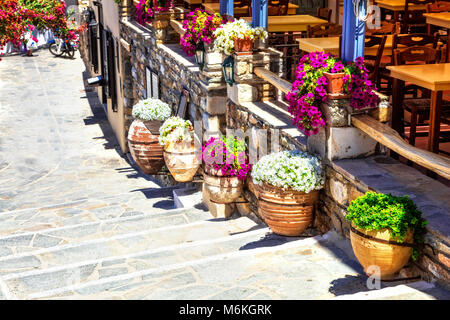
{"x": 435, "y": 77}
{"x": 440, "y": 19}
{"x": 215, "y": 7}
{"x": 331, "y": 45}
{"x": 290, "y": 23}
{"x": 398, "y": 6}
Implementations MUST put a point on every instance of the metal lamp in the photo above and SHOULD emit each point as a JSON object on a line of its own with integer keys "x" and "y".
{"x": 200, "y": 55}
{"x": 228, "y": 70}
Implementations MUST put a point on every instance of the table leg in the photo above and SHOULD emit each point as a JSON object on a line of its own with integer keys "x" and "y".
{"x": 397, "y": 110}
{"x": 435, "y": 121}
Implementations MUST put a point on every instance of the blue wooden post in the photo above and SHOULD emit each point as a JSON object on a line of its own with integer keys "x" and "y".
{"x": 227, "y": 7}
{"x": 353, "y": 31}
{"x": 259, "y": 13}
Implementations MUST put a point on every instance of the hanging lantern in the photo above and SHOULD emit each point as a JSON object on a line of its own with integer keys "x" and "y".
{"x": 228, "y": 70}
{"x": 200, "y": 55}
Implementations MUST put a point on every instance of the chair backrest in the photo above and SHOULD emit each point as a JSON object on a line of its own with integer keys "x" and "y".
{"x": 324, "y": 30}
{"x": 416, "y": 55}
{"x": 241, "y": 4}
{"x": 373, "y": 61}
{"x": 278, "y": 7}
{"x": 413, "y": 17}
{"x": 385, "y": 28}
{"x": 324, "y": 13}
{"x": 438, "y": 6}
{"x": 415, "y": 39}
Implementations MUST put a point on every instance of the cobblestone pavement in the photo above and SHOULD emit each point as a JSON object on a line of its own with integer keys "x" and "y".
{"x": 78, "y": 222}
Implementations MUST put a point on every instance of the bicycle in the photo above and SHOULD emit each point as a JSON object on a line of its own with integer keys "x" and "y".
{"x": 59, "y": 46}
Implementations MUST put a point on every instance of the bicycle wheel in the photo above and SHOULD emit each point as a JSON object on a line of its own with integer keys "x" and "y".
{"x": 70, "y": 52}
{"x": 55, "y": 50}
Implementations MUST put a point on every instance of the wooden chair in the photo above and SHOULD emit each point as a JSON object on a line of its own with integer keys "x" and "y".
{"x": 385, "y": 28}
{"x": 442, "y": 33}
{"x": 419, "y": 108}
{"x": 413, "y": 20}
{"x": 324, "y": 13}
{"x": 278, "y": 7}
{"x": 372, "y": 62}
{"x": 324, "y": 30}
{"x": 242, "y": 4}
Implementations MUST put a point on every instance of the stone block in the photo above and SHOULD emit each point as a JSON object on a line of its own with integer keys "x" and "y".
{"x": 316, "y": 143}
{"x": 349, "y": 142}
{"x": 213, "y": 58}
{"x": 240, "y": 93}
{"x": 336, "y": 112}
{"x": 338, "y": 191}
{"x": 214, "y": 105}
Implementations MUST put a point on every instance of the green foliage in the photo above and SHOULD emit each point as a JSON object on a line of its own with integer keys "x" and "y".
{"x": 376, "y": 211}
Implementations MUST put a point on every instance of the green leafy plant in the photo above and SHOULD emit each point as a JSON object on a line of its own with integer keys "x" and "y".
{"x": 376, "y": 211}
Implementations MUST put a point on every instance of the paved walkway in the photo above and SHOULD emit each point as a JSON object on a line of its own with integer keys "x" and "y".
{"x": 78, "y": 222}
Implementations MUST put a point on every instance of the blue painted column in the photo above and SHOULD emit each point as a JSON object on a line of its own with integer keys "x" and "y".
{"x": 227, "y": 7}
{"x": 259, "y": 13}
{"x": 353, "y": 31}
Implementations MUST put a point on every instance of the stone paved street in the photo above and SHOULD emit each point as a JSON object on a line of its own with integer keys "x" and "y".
{"x": 78, "y": 221}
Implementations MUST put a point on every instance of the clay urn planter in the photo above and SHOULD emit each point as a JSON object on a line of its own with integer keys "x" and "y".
{"x": 383, "y": 231}
{"x": 144, "y": 145}
{"x": 378, "y": 248}
{"x": 335, "y": 85}
{"x": 223, "y": 190}
{"x": 287, "y": 185}
{"x": 182, "y": 160}
{"x": 243, "y": 47}
{"x": 286, "y": 212}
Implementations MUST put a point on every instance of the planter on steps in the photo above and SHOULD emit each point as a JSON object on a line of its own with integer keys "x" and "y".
{"x": 223, "y": 190}
{"x": 377, "y": 248}
{"x": 182, "y": 161}
{"x": 144, "y": 145}
{"x": 286, "y": 212}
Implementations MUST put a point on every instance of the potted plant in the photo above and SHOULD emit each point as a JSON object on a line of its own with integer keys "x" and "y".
{"x": 200, "y": 26}
{"x": 287, "y": 185}
{"x": 317, "y": 75}
{"x": 155, "y": 12}
{"x": 226, "y": 166}
{"x": 384, "y": 232}
{"x": 143, "y": 135}
{"x": 237, "y": 37}
{"x": 177, "y": 138}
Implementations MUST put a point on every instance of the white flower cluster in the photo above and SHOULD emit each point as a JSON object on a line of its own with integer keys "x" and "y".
{"x": 151, "y": 109}
{"x": 175, "y": 129}
{"x": 294, "y": 170}
{"x": 238, "y": 29}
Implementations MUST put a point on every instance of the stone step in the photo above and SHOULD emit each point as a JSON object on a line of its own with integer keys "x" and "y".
{"x": 124, "y": 240}
{"x": 130, "y": 222}
{"x": 85, "y": 211}
{"x": 272, "y": 267}
{"x": 21, "y": 285}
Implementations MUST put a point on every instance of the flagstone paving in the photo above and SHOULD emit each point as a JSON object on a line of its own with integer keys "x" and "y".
{"x": 77, "y": 221}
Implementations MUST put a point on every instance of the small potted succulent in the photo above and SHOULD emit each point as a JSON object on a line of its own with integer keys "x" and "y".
{"x": 385, "y": 232}
{"x": 226, "y": 166}
{"x": 200, "y": 26}
{"x": 177, "y": 138}
{"x": 143, "y": 135}
{"x": 287, "y": 184}
{"x": 237, "y": 37}
{"x": 320, "y": 76}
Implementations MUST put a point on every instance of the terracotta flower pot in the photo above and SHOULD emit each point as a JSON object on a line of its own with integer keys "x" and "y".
{"x": 286, "y": 212}
{"x": 144, "y": 145}
{"x": 243, "y": 47}
{"x": 182, "y": 161}
{"x": 222, "y": 189}
{"x": 371, "y": 248}
{"x": 335, "y": 85}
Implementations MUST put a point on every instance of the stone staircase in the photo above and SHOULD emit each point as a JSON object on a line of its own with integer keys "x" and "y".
{"x": 137, "y": 246}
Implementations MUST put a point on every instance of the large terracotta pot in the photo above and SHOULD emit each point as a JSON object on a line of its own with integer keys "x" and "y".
{"x": 144, "y": 145}
{"x": 371, "y": 248}
{"x": 335, "y": 85}
{"x": 222, "y": 189}
{"x": 243, "y": 47}
{"x": 286, "y": 212}
{"x": 182, "y": 161}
